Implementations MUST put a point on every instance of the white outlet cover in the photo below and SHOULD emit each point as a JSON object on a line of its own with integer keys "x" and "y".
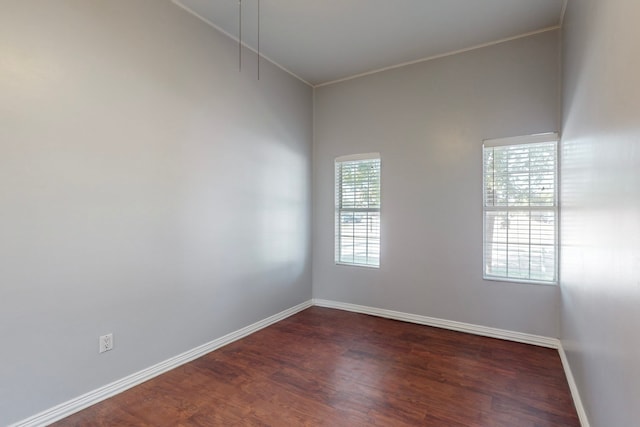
{"x": 105, "y": 343}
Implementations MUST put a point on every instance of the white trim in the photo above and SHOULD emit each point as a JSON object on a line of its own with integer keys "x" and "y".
{"x": 443, "y": 323}
{"x": 490, "y": 278}
{"x": 503, "y": 334}
{"x": 357, "y": 157}
{"x": 526, "y": 139}
{"x": 77, "y": 404}
{"x": 442, "y": 55}
{"x": 72, "y": 406}
{"x": 348, "y": 264}
{"x": 377, "y": 70}
{"x": 234, "y": 38}
{"x": 577, "y": 401}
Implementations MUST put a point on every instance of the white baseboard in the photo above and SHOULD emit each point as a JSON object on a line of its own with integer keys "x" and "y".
{"x": 444, "y": 324}
{"x": 577, "y": 401}
{"x": 476, "y": 330}
{"x": 72, "y": 406}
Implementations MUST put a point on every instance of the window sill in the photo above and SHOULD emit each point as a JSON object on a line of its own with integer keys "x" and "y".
{"x": 523, "y": 281}
{"x": 346, "y": 264}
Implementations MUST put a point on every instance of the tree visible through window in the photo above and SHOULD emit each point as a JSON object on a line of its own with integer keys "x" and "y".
{"x": 520, "y": 209}
{"x": 358, "y": 210}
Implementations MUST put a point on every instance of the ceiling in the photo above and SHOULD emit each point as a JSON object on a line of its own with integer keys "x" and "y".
{"x": 322, "y": 41}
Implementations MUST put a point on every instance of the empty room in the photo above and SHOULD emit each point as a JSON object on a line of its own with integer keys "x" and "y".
{"x": 302, "y": 213}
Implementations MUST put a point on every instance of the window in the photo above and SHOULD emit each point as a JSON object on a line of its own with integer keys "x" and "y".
{"x": 358, "y": 210}
{"x": 521, "y": 209}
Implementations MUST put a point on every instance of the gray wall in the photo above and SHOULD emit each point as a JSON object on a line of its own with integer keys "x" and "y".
{"x": 428, "y": 121}
{"x": 601, "y": 207}
{"x": 147, "y": 188}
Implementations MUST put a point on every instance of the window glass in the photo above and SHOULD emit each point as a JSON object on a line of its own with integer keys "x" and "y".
{"x": 357, "y": 210}
{"x": 520, "y": 209}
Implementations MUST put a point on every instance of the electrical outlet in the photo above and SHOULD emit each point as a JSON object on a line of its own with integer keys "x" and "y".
{"x": 106, "y": 343}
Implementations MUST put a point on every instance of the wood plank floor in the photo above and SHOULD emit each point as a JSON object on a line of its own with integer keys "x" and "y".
{"x": 325, "y": 367}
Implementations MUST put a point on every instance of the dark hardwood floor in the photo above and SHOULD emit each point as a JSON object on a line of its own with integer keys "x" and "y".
{"x": 334, "y": 368}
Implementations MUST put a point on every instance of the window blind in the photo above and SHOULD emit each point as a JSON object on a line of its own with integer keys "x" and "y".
{"x": 357, "y": 207}
{"x": 520, "y": 209}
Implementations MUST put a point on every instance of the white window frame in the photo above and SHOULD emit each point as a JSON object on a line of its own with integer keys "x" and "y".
{"x": 522, "y": 140}
{"x": 339, "y": 209}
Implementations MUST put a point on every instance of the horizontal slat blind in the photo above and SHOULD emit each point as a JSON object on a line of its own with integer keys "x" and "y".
{"x": 358, "y": 210}
{"x": 520, "y": 211}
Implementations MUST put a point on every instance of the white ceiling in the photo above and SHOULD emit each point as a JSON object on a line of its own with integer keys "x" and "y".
{"x": 326, "y": 40}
